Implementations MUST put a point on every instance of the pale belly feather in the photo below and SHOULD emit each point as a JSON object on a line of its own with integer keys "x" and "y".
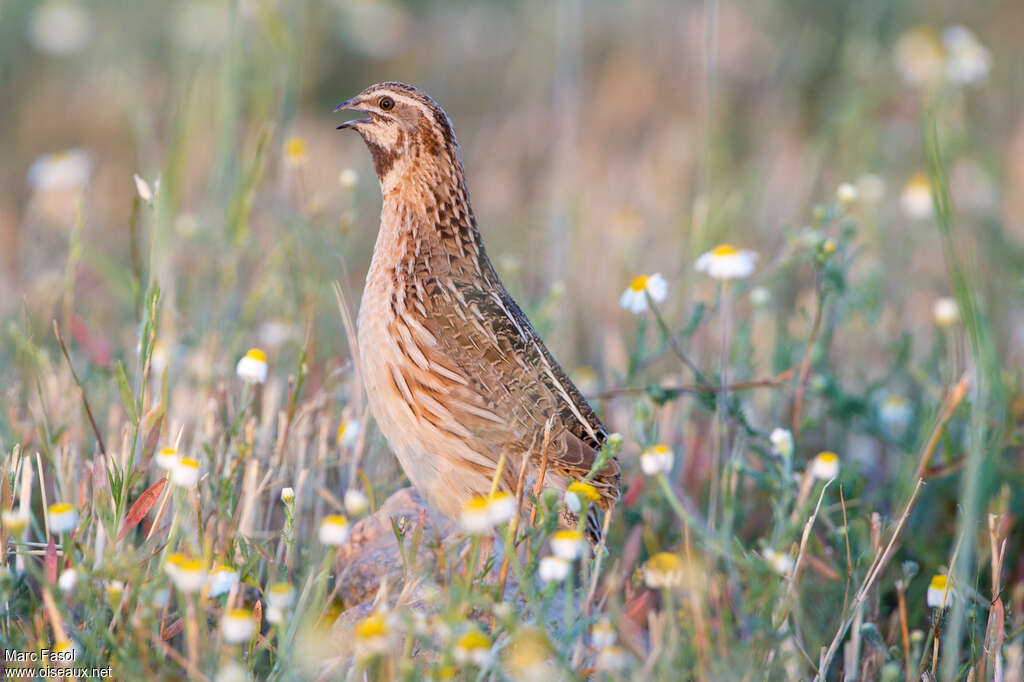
{"x": 430, "y": 458}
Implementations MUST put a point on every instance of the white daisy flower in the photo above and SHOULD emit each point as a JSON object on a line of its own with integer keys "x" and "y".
{"x": 167, "y": 458}
{"x": 475, "y": 516}
{"x": 188, "y": 575}
{"x": 611, "y": 659}
{"x": 67, "y": 580}
{"x": 356, "y": 502}
{"x": 634, "y": 298}
{"x": 940, "y": 592}
{"x": 501, "y": 507}
{"x": 288, "y": 495}
{"x": 237, "y": 626}
{"x": 280, "y": 595}
{"x": 15, "y": 521}
{"x": 60, "y": 28}
{"x": 348, "y": 179}
{"x": 553, "y": 569}
{"x": 334, "y": 530}
{"x": 295, "y": 152}
{"x": 782, "y": 442}
{"x": 473, "y": 647}
{"x": 967, "y": 60}
{"x": 656, "y": 460}
{"x": 185, "y": 473}
{"x": 727, "y": 262}
{"x": 916, "y": 199}
{"x": 222, "y": 580}
{"x": 348, "y": 432}
{"x": 568, "y": 544}
{"x": 663, "y": 570}
{"x": 63, "y": 518}
{"x": 252, "y": 368}
{"x": 780, "y": 562}
{"x": 60, "y": 171}
{"x": 919, "y": 57}
{"x": 895, "y": 412}
{"x": 760, "y": 296}
{"x": 847, "y": 193}
{"x": 946, "y": 312}
{"x": 602, "y": 634}
{"x": 114, "y": 591}
{"x": 825, "y": 466}
{"x": 482, "y": 513}
{"x": 578, "y": 493}
{"x": 373, "y": 636}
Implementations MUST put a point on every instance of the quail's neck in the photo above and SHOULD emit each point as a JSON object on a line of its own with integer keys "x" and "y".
{"x": 426, "y": 217}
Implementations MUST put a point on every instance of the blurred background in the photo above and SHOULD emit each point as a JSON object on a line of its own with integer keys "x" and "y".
{"x": 601, "y": 140}
{"x": 192, "y": 144}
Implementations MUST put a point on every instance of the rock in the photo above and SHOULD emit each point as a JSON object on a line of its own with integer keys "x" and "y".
{"x": 372, "y": 552}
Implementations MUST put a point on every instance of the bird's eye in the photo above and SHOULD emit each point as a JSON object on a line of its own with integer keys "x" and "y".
{"x": 386, "y": 104}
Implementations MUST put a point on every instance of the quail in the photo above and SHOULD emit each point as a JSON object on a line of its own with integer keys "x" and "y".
{"x": 455, "y": 374}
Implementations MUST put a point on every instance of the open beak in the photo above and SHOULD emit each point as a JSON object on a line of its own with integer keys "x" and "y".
{"x": 348, "y": 106}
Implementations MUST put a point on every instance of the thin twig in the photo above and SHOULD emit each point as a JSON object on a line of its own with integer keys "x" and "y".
{"x": 953, "y": 399}
{"x": 673, "y": 343}
{"x": 877, "y": 567}
{"x": 81, "y": 389}
{"x": 778, "y": 380}
{"x": 513, "y": 528}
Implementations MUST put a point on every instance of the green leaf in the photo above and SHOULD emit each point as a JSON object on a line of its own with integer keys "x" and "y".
{"x": 127, "y": 399}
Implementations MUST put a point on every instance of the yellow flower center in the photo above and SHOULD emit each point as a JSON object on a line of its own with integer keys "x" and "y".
{"x": 665, "y": 562}
{"x": 827, "y": 457}
{"x": 568, "y": 535}
{"x": 477, "y": 504}
{"x": 724, "y": 250}
{"x": 280, "y": 589}
{"x": 239, "y": 614}
{"x": 256, "y": 354}
{"x": 498, "y": 497}
{"x": 372, "y": 626}
{"x": 660, "y": 449}
{"x": 335, "y": 520}
{"x": 919, "y": 182}
{"x": 188, "y": 462}
{"x": 939, "y": 582}
{"x": 61, "y": 508}
{"x": 474, "y": 639}
{"x": 639, "y": 283}
{"x": 295, "y": 148}
{"x": 190, "y": 565}
{"x": 584, "y": 489}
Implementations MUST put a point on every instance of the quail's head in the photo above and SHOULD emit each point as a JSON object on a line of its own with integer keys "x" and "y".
{"x": 402, "y": 127}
